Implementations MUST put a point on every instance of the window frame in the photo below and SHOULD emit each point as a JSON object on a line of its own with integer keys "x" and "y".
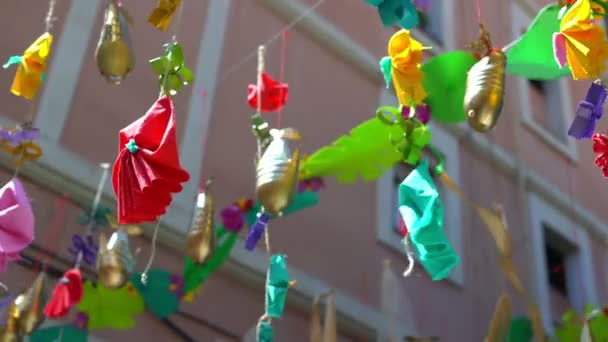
{"x": 450, "y": 147}
{"x": 521, "y": 19}
{"x": 579, "y": 265}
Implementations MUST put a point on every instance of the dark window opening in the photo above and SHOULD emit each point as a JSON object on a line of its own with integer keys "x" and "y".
{"x": 538, "y": 86}
{"x": 557, "y": 252}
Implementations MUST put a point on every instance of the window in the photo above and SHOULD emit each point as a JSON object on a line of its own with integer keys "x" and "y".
{"x": 561, "y": 260}
{"x": 545, "y": 106}
{"x": 387, "y": 195}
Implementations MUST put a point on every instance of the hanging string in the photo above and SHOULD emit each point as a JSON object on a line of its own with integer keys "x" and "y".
{"x": 261, "y": 51}
{"x": 144, "y": 274}
{"x": 479, "y": 11}
{"x": 236, "y": 66}
{"x": 50, "y": 18}
{"x": 202, "y": 185}
{"x": 284, "y": 38}
{"x": 105, "y": 167}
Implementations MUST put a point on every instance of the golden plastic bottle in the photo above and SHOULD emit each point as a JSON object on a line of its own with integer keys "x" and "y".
{"x": 200, "y": 243}
{"x": 114, "y": 53}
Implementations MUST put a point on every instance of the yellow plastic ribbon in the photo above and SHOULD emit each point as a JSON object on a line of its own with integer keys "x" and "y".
{"x": 585, "y": 41}
{"x": 162, "y": 15}
{"x": 406, "y": 61}
{"x": 31, "y": 68}
{"x": 496, "y": 223}
{"x": 28, "y": 150}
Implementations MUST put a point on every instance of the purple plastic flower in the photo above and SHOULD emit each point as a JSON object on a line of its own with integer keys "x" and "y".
{"x": 19, "y": 135}
{"x": 232, "y": 218}
{"x": 81, "y": 321}
{"x": 423, "y": 113}
{"x": 313, "y": 184}
{"x": 86, "y": 246}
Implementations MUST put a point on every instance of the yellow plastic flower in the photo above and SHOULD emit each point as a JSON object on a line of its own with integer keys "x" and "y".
{"x": 584, "y": 42}
{"x": 406, "y": 59}
{"x": 32, "y": 66}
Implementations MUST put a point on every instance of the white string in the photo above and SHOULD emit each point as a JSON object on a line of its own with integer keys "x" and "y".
{"x": 50, "y": 16}
{"x": 272, "y": 39}
{"x": 144, "y": 274}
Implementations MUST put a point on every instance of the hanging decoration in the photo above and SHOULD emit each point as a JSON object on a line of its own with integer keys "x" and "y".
{"x": 147, "y": 170}
{"x": 130, "y": 229}
{"x": 115, "y": 263}
{"x": 402, "y": 65}
{"x": 114, "y": 53}
{"x": 16, "y": 222}
{"x": 277, "y": 284}
{"x": 28, "y": 307}
{"x": 444, "y": 80}
{"x": 108, "y": 308}
{"x": 171, "y": 69}
{"x": 200, "y": 243}
{"x": 66, "y": 294}
{"x": 485, "y": 87}
{"x": 593, "y": 323}
{"x": 600, "y": 146}
{"x": 415, "y": 135}
{"x": 60, "y": 333}
{"x": 501, "y": 320}
{"x": 588, "y": 112}
{"x": 366, "y": 152}
{"x": 581, "y": 43}
{"x": 31, "y": 67}
{"x": 85, "y": 247}
{"x": 157, "y": 294}
{"x": 531, "y": 56}
{"x": 422, "y": 213}
{"x": 397, "y": 12}
{"x": 21, "y": 143}
{"x": 273, "y": 94}
{"x": 162, "y": 16}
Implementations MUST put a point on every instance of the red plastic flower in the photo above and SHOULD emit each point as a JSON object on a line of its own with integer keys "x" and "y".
{"x": 147, "y": 170}
{"x": 600, "y": 146}
{"x": 274, "y": 94}
{"x": 66, "y": 294}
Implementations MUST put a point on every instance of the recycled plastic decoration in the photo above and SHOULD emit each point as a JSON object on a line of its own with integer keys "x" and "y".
{"x": 200, "y": 243}
{"x": 114, "y": 53}
{"x": 162, "y": 16}
{"x": 415, "y": 137}
{"x": 581, "y": 43}
{"x": 114, "y": 309}
{"x": 86, "y": 247}
{"x": 16, "y": 222}
{"x": 422, "y": 213}
{"x": 501, "y": 320}
{"x": 31, "y": 67}
{"x": 397, "y": 12}
{"x": 20, "y": 143}
{"x": 403, "y": 66}
{"x": 588, "y": 112}
{"x": 67, "y": 293}
{"x": 273, "y": 94}
{"x": 157, "y": 294}
{"x": 147, "y": 170}
{"x": 172, "y": 72}
{"x": 600, "y": 146}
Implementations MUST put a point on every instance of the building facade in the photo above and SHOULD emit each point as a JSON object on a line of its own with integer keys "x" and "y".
{"x": 546, "y": 181}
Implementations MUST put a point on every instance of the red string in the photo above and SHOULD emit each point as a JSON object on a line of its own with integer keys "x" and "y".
{"x": 203, "y": 141}
{"x": 284, "y": 37}
{"x": 479, "y": 11}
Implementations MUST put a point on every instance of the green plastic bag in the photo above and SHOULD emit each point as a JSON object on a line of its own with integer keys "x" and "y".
{"x": 422, "y": 213}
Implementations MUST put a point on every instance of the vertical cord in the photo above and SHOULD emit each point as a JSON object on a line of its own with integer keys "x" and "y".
{"x": 479, "y": 11}
{"x": 144, "y": 274}
{"x": 204, "y": 137}
{"x": 261, "y": 51}
{"x": 50, "y": 18}
{"x": 284, "y": 37}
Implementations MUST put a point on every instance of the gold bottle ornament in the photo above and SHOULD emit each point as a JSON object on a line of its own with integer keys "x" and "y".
{"x": 115, "y": 262}
{"x": 485, "y": 91}
{"x": 200, "y": 243}
{"x": 30, "y": 306}
{"x": 277, "y": 172}
{"x": 10, "y": 331}
{"x": 114, "y": 53}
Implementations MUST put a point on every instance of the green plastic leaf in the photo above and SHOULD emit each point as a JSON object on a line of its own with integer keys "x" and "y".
{"x": 570, "y": 330}
{"x": 157, "y": 294}
{"x": 277, "y": 284}
{"x": 422, "y": 212}
{"x": 194, "y": 274}
{"x": 171, "y": 69}
{"x": 599, "y": 327}
{"x": 531, "y": 56}
{"x": 367, "y": 152}
{"x": 113, "y": 309}
{"x": 63, "y": 333}
{"x": 445, "y": 79}
{"x": 520, "y": 330}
